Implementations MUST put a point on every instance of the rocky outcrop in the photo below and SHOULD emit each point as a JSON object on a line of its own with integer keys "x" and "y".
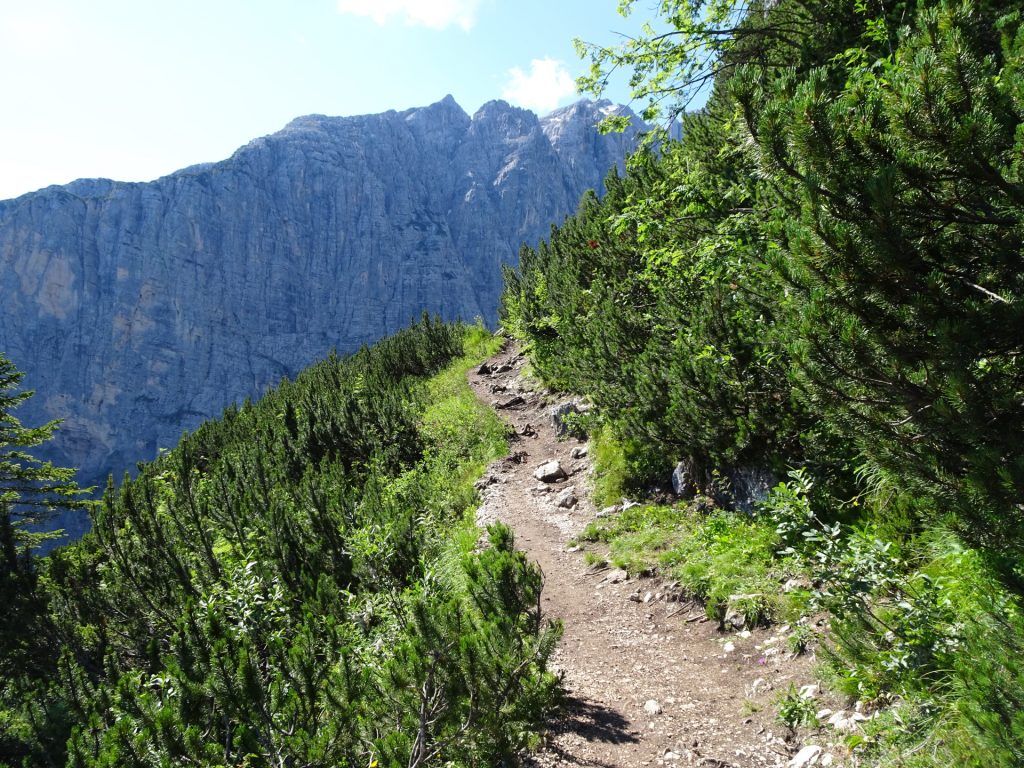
{"x": 741, "y": 488}
{"x": 137, "y": 310}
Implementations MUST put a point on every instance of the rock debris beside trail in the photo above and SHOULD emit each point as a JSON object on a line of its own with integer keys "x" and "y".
{"x": 649, "y": 681}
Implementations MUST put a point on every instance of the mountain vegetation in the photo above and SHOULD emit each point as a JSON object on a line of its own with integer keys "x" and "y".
{"x": 139, "y": 310}
{"x": 806, "y": 312}
{"x": 299, "y": 583}
{"x": 822, "y": 282}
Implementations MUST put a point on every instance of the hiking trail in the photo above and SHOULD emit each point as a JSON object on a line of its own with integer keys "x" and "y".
{"x": 649, "y": 680}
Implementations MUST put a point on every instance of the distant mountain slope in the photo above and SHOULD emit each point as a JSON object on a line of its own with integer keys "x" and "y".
{"x": 138, "y": 309}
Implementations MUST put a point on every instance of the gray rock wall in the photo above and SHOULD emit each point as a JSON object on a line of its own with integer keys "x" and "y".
{"x": 138, "y": 310}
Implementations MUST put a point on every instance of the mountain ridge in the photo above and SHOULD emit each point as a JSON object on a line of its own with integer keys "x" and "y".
{"x": 138, "y": 309}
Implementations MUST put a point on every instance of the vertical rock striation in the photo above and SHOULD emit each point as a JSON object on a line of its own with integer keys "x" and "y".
{"x": 139, "y": 309}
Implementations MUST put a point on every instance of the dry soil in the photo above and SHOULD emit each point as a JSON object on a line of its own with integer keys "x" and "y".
{"x": 648, "y": 679}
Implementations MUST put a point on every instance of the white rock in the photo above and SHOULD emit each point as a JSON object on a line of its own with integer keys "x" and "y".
{"x": 729, "y": 647}
{"x": 616, "y": 576}
{"x": 549, "y": 471}
{"x": 652, "y": 707}
{"x": 808, "y": 691}
{"x": 841, "y": 722}
{"x": 793, "y": 585}
{"x": 836, "y": 718}
{"x": 744, "y": 596}
{"x": 805, "y": 757}
{"x": 757, "y": 685}
{"x": 561, "y": 411}
{"x": 745, "y": 634}
{"x": 578, "y": 452}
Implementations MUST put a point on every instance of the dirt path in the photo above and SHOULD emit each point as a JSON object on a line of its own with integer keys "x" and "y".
{"x": 649, "y": 681}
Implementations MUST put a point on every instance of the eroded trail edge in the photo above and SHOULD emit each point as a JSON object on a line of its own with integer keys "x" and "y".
{"x": 649, "y": 680}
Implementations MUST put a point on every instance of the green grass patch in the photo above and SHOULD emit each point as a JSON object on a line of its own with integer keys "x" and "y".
{"x": 609, "y": 467}
{"x": 622, "y": 466}
{"x": 728, "y": 560}
{"x": 462, "y": 436}
{"x": 944, "y": 638}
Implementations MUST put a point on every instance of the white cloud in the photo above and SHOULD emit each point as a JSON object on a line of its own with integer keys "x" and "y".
{"x": 434, "y": 14}
{"x": 540, "y": 89}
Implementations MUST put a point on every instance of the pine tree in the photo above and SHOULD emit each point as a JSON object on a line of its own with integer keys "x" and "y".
{"x": 30, "y": 490}
{"x": 902, "y": 235}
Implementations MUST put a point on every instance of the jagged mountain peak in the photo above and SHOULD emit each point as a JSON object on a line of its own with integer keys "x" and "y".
{"x": 496, "y": 107}
{"x": 580, "y": 118}
{"x": 139, "y": 309}
{"x": 447, "y": 105}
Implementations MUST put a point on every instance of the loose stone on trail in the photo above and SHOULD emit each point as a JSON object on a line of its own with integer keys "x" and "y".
{"x": 567, "y": 498}
{"x": 550, "y": 471}
{"x": 510, "y": 403}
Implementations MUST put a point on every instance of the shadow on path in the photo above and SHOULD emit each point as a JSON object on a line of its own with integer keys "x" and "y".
{"x": 595, "y": 722}
{"x": 592, "y": 722}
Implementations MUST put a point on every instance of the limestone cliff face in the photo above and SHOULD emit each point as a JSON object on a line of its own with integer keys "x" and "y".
{"x": 137, "y": 310}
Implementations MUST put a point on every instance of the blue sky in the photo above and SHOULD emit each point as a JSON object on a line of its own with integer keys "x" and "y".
{"x": 134, "y": 89}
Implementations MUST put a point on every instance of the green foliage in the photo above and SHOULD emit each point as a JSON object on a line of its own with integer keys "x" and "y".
{"x": 902, "y": 237}
{"x": 610, "y": 473}
{"x": 301, "y": 583}
{"x": 823, "y": 273}
{"x": 924, "y": 621}
{"x": 825, "y": 270}
{"x": 795, "y": 711}
{"x": 622, "y": 466}
{"x": 799, "y": 640}
{"x": 724, "y": 559}
{"x": 696, "y": 42}
{"x": 662, "y": 319}
{"x": 29, "y": 490}
{"x": 449, "y": 675}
